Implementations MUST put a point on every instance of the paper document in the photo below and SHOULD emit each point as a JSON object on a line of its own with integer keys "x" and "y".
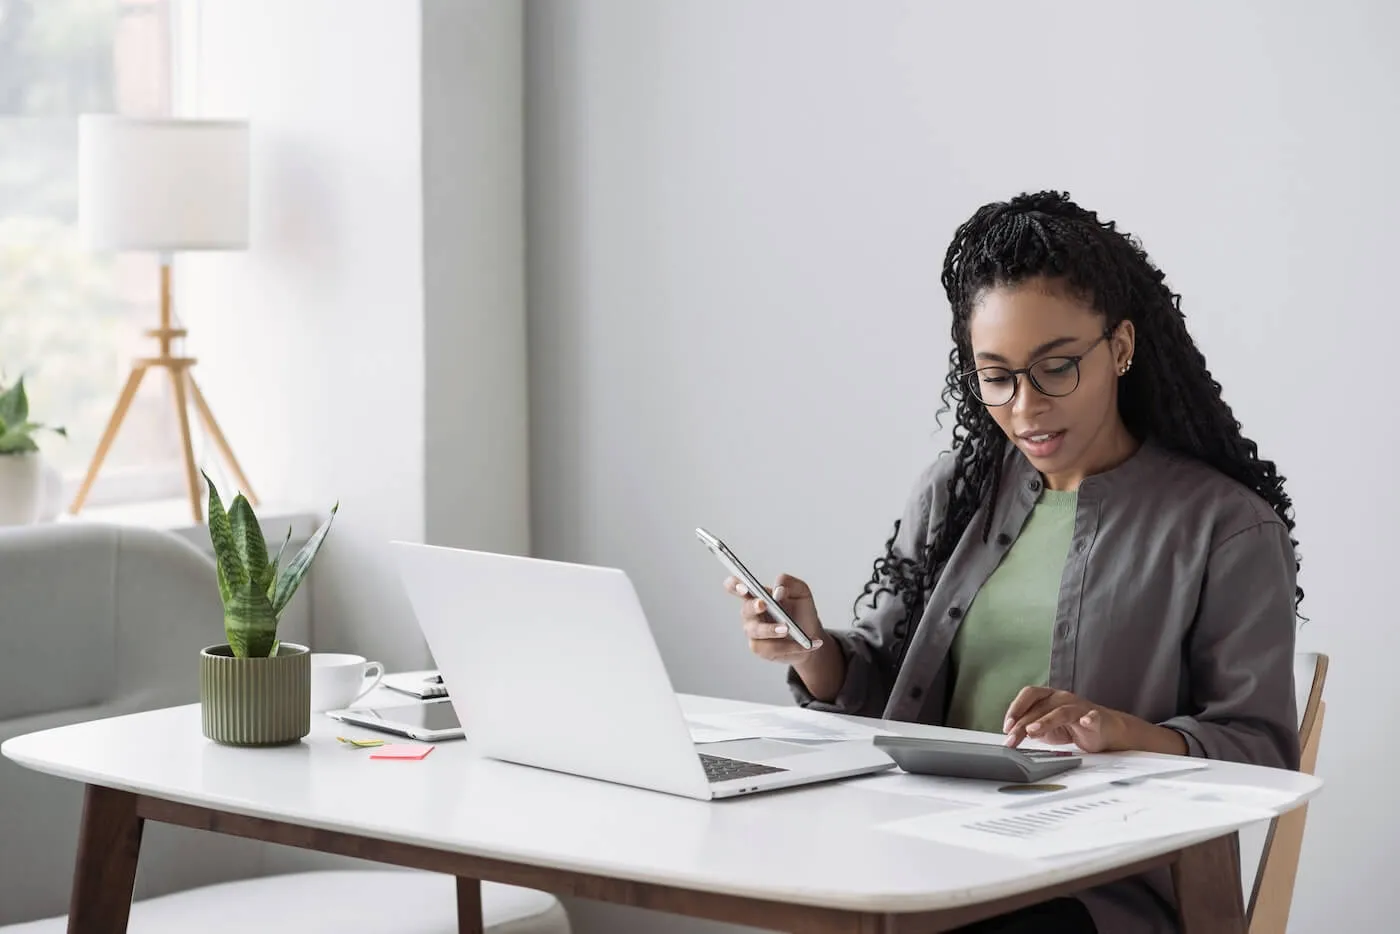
{"x": 1129, "y": 766}
{"x": 1119, "y": 815}
{"x": 797, "y": 723}
{"x": 1097, "y": 771}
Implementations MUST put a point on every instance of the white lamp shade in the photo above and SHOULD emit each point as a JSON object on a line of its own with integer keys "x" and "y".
{"x": 162, "y": 185}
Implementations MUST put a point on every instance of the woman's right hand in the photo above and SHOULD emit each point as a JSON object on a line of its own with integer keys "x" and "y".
{"x": 767, "y": 638}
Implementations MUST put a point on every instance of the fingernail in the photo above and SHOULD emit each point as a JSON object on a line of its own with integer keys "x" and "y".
{"x": 779, "y": 592}
{"x": 1033, "y": 728}
{"x": 1007, "y": 725}
{"x": 1086, "y": 720}
{"x": 817, "y": 644}
{"x": 760, "y": 606}
{"x": 781, "y": 630}
{"x": 742, "y": 589}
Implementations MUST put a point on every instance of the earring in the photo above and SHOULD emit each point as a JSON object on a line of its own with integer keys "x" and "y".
{"x": 1126, "y": 367}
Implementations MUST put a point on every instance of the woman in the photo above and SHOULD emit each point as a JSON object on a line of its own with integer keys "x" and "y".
{"x": 1101, "y": 559}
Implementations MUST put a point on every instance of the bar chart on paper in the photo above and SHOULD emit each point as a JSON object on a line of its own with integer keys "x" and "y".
{"x": 1048, "y": 821}
{"x": 1073, "y": 825}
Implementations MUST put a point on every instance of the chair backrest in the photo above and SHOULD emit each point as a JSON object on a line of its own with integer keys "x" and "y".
{"x": 1309, "y": 676}
{"x": 1272, "y": 898}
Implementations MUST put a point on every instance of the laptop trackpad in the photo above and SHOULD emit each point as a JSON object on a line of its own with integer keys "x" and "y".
{"x": 757, "y": 749}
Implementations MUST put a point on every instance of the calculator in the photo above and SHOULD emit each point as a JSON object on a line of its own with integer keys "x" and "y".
{"x": 964, "y": 759}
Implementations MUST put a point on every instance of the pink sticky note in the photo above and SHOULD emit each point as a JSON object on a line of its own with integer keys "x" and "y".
{"x": 401, "y": 751}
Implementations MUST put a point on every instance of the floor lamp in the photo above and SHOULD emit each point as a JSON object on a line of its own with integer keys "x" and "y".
{"x": 163, "y": 186}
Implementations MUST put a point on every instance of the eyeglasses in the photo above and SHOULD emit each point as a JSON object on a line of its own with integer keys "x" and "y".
{"x": 1051, "y": 376}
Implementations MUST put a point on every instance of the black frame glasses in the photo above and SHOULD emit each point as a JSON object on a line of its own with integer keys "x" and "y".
{"x": 1057, "y": 365}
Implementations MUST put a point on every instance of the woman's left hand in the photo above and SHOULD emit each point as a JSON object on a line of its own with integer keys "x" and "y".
{"x": 1059, "y": 718}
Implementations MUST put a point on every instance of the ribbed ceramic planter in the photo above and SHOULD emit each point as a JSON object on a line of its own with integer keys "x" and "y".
{"x": 255, "y": 701}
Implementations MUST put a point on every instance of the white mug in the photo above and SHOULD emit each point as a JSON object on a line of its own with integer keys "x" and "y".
{"x": 338, "y": 680}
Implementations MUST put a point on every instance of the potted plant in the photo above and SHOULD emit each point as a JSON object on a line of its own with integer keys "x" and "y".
{"x": 22, "y": 482}
{"x": 253, "y": 689}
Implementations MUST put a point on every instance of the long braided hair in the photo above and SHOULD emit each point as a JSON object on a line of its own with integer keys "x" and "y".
{"x": 1169, "y": 394}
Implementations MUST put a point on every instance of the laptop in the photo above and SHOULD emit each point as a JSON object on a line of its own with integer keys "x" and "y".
{"x": 553, "y": 665}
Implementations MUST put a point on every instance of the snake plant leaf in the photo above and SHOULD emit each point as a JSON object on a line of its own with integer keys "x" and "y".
{"x": 248, "y": 538}
{"x": 276, "y": 562}
{"x": 249, "y": 623}
{"x": 14, "y": 404}
{"x": 290, "y": 578}
{"x": 235, "y": 574}
{"x": 224, "y": 592}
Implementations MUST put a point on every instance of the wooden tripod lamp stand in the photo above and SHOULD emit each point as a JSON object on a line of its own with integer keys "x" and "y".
{"x": 163, "y": 186}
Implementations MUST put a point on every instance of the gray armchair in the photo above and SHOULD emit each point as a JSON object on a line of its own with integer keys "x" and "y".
{"x": 98, "y": 621}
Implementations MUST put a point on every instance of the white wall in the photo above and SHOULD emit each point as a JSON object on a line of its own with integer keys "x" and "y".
{"x": 737, "y": 216}
{"x": 369, "y": 347}
{"x": 476, "y": 465}
{"x": 319, "y": 326}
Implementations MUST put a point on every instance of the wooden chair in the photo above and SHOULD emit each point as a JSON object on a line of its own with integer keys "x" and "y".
{"x": 1272, "y": 898}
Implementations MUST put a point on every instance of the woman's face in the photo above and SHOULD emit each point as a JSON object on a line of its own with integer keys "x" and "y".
{"x": 1071, "y": 428}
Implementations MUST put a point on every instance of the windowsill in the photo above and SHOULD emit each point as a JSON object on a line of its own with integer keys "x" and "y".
{"x": 174, "y": 515}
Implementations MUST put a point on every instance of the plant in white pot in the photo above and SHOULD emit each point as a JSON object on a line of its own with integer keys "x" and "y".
{"x": 23, "y": 485}
{"x": 253, "y": 689}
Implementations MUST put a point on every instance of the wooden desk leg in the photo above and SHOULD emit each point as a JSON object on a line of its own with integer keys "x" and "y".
{"x": 1209, "y": 893}
{"x": 469, "y": 907}
{"x": 109, "y": 845}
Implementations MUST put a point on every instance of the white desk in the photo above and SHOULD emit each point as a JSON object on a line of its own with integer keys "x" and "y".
{"x": 806, "y": 859}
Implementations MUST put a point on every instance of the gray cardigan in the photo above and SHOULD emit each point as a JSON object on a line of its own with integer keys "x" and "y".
{"x": 1176, "y": 606}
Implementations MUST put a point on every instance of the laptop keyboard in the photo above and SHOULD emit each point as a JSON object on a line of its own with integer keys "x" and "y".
{"x": 719, "y": 769}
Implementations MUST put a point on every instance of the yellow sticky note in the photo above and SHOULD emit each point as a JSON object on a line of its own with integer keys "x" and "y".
{"x": 361, "y": 743}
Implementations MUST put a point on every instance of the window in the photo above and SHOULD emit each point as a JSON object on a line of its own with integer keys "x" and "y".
{"x": 70, "y": 320}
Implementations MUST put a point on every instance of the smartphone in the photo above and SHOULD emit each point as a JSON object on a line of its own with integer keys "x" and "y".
{"x": 736, "y": 567}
